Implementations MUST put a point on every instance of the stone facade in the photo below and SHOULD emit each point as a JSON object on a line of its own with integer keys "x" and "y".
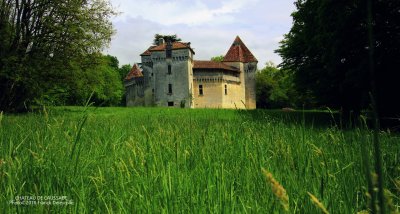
{"x": 169, "y": 76}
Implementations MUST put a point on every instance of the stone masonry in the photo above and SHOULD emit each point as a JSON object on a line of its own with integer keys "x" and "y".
{"x": 169, "y": 76}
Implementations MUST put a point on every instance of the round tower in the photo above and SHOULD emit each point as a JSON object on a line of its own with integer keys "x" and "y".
{"x": 240, "y": 56}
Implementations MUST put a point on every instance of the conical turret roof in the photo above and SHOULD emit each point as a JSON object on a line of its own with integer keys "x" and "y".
{"x": 238, "y": 52}
{"x": 134, "y": 72}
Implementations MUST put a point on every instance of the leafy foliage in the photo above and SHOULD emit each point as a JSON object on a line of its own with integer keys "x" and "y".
{"x": 327, "y": 51}
{"x": 103, "y": 80}
{"x": 124, "y": 70}
{"x": 48, "y": 47}
{"x": 94, "y": 74}
{"x": 219, "y": 58}
{"x": 167, "y": 38}
{"x": 275, "y": 89}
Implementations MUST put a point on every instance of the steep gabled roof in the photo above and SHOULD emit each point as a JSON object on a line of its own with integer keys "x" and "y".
{"x": 208, "y": 65}
{"x": 175, "y": 45}
{"x": 134, "y": 72}
{"x": 238, "y": 52}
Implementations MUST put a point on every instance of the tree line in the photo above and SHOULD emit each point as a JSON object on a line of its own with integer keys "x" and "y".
{"x": 334, "y": 55}
{"x": 344, "y": 54}
{"x": 50, "y": 53}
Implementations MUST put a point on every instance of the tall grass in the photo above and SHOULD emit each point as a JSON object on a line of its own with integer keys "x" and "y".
{"x": 130, "y": 160}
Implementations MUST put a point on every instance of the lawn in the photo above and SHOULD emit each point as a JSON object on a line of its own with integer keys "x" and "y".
{"x": 165, "y": 160}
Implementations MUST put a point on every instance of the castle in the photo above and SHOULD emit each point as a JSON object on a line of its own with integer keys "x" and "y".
{"x": 169, "y": 76}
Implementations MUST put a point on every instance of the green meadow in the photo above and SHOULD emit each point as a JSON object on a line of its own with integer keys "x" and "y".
{"x": 164, "y": 160}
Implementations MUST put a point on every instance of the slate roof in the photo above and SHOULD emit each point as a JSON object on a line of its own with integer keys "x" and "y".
{"x": 208, "y": 65}
{"x": 134, "y": 72}
{"x": 238, "y": 52}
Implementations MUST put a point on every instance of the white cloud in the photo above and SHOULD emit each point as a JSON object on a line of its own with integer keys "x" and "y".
{"x": 211, "y": 26}
{"x": 189, "y": 12}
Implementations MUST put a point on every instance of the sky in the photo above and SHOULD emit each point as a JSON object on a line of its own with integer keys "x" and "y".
{"x": 210, "y": 26}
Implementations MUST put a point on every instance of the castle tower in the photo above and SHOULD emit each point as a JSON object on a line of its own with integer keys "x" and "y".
{"x": 241, "y": 57}
{"x": 147, "y": 70}
{"x": 172, "y": 68}
{"x": 134, "y": 85}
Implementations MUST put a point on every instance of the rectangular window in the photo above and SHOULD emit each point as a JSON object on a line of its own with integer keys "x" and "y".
{"x": 169, "y": 88}
{"x": 200, "y": 89}
{"x": 169, "y": 69}
{"x": 170, "y": 103}
{"x": 226, "y": 90}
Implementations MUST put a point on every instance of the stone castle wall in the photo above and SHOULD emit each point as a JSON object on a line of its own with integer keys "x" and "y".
{"x": 250, "y": 86}
{"x": 172, "y": 82}
{"x": 179, "y": 77}
{"x": 220, "y": 90}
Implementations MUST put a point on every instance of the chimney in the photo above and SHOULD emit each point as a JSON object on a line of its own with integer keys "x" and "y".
{"x": 168, "y": 50}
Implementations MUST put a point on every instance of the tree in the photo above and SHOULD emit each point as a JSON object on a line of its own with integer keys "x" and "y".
{"x": 167, "y": 38}
{"x": 264, "y": 86}
{"x": 43, "y": 44}
{"x": 327, "y": 50}
{"x": 124, "y": 70}
{"x": 112, "y": 61}
{"x": 219, "y": 58}
{"x": 275, "y": 89}
{"x": 94, "y": 74}
{"x": 111, "y": 90}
